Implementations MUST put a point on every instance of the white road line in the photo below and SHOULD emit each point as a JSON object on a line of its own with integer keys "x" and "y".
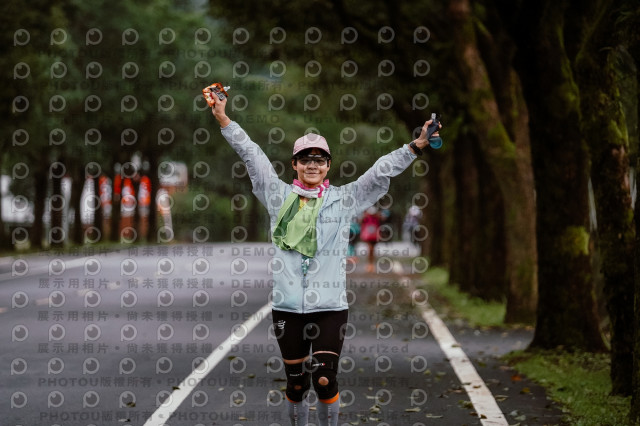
{"x": 43, "y": 301}
{"x": 481, "y": 397}
{"x": 43, "y": 270}
{"x": 162, "y": 415}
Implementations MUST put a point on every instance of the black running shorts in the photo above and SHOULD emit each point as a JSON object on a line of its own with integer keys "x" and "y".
{"x": 297, "y": 334}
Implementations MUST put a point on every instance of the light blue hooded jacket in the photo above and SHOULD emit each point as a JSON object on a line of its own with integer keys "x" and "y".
{"x": 323, "y": 288}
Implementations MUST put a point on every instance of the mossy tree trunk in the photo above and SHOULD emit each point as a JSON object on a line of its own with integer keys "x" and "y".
{"x": 478, "y": 257}
{"x": 634, "y": 413}
{"x": 603, "y": 123}
{"x": 434, "y": 246}
{"x": 465, "y": 177}
{"x": 633, "y": 38}
{"x": 566, "y": 314}
{"x": 506, "y": 149}
{"x": 490, "y": 253}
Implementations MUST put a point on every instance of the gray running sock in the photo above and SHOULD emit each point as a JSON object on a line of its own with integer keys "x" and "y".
{"x": 328, "y": 413}
{"x": 298, "y": 412}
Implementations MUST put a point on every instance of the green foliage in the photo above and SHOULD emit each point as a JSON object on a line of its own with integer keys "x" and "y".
{"x": 579, "y": 381}
{"x": 133, "y": 80}
{"x": 217, "y": 218}
{"x": 331, "y": 85}
{"x": 103, "y": 81}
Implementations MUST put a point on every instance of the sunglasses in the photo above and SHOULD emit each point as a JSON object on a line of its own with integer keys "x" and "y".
{"x": 318, "y": 159}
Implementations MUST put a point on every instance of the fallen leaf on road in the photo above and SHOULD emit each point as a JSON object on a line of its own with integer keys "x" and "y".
{"x": 433, "y": 416}
{"x": 465, "y": 404}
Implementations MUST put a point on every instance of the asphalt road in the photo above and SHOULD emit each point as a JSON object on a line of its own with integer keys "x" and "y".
{"x": 107, "y": 338}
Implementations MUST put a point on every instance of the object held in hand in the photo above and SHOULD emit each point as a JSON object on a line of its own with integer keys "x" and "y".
{"x": 215, "y": 92}
{"x": 434, "y": 141}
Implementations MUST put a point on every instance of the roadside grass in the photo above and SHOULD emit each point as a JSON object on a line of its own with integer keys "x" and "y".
{"x": 453, "y": 303}
{"x": 580, "y": 382}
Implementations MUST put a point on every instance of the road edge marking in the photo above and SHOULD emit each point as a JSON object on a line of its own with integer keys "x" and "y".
{"x": 480, "y": 395}
{"x": 71, "y": 264}
{"x": 163, "y": 413}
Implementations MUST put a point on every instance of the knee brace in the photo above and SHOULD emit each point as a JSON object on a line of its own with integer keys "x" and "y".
{"x": 298, "y": 381}
{"x": 325, "y": 365}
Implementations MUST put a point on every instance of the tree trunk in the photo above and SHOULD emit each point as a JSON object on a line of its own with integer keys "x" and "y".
{"x": 98, "y": 213}
{"x": 152, "y": 232}
{"x": 634, "y": 413}
{"x": 252, "y": 224}
{"x": 5, "y": 241}
{"x": 490, "y": 253}
{"x": 478, "y": 258}
{"x": 77, "y": 186}
{"x": 56, "y": 235}
{"x": 465, "y": 176}
{"x": 40, "y": 186}
{"x": 604, "y": 122}
{"x": 434, "y": 246}
{"x": 509, "y": 161}
{"x": 566, "y": 314}
{"x": 634, "y": 50}
{"x": 115, "y": 201}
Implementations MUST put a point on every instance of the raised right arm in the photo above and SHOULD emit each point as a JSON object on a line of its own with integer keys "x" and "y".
{"x": 267, "y": 186}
